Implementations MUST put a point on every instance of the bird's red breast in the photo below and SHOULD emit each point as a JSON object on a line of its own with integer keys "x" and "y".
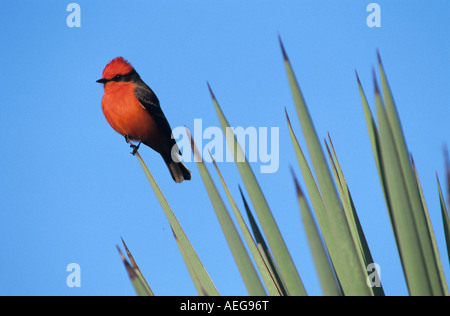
{"x": 127, "y": 116}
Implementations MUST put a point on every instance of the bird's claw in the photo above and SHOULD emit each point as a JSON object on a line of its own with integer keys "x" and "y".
{"x": 135, "y": 148}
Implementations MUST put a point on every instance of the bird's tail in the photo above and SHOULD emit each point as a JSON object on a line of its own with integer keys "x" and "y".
{"x": 178, "y": 170}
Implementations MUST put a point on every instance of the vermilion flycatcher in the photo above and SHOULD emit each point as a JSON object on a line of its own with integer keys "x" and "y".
{"x": 132, "y": 109}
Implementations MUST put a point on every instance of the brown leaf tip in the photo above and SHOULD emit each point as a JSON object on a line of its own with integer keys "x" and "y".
{"x": 210, "y": 91}
{"x": 357, "y": 78}
{"x": 121, "y": 254}
{"x": 379, "y": 57}
{"x": 377, "y": 90}
{"x": 282, "y": 48}
{"x": 297, "y": 185}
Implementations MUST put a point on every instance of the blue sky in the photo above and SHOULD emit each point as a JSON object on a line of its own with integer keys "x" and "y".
{"x": 69, "y": 188}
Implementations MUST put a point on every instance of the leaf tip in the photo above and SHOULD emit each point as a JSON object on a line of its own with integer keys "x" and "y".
{"x": 240, "y": 190}
{"x": 379, "y": 57}
{"x": 374, "y": 75}
{"x": 210, "y": 91}
{"x": 287, "y": 116}
{"x": 357, "y": 78}
{"x": 121, "y": 254}
{"x": 297, "y": 185}
{"x": 282, "y": 48}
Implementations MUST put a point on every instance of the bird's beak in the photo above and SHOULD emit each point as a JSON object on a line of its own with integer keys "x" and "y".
{"x": 103, "y": 80}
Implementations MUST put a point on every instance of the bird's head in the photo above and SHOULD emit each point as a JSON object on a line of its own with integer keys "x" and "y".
{"x": 118, "y": 69}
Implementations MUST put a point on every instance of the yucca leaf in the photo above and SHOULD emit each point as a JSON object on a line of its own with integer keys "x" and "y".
{"x": 447, "y": 173}
{"x": 407, "y": 238}
{"x": 430, "y": 227}
{"x": 196, "y": 269}
{"x": 445, "y": 218}
{"x": 374, "y": 137}
{"x": 136, "y": 268}
{"x": 316, "y": 199}
{"x": 323, "y": 266}
{"x": 328, "y": 231}
{"x": 313, "y": 190}
{"x": 286, "y": 266}
{"x": 136, "y": 278}
{"x": 422, "y": 197}
{"x": 268, "y": 278}
{"x": 412, "y": 190}
{"x": 351, "y": 273}
{"x": 240, "y": 255}
{"x": 190, "y": 266}
{"x": 263, "y": 248}
{"x": 344, "y": 197}
{"x": 351, "y": 215}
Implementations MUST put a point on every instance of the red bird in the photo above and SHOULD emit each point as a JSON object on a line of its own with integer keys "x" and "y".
{"x": 132, "y": 109}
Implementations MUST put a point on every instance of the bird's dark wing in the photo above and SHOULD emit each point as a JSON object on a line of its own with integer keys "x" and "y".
{"x": 148, "y": 99}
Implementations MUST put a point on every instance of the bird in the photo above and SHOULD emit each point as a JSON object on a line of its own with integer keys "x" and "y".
{"x": 132, "y": 109}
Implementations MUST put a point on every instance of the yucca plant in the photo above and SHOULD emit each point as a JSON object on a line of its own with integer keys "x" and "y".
{"x": 336, "y": 238}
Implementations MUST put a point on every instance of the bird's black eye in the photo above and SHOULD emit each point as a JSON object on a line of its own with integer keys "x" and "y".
{"x": 117, "y": 78}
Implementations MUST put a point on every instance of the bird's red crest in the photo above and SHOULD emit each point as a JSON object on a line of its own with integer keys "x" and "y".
{"x": 117, "y": 66}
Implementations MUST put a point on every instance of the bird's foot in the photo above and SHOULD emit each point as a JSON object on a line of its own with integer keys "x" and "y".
{"x": 135, "y": 148}
{"x": 127, "y": 139}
